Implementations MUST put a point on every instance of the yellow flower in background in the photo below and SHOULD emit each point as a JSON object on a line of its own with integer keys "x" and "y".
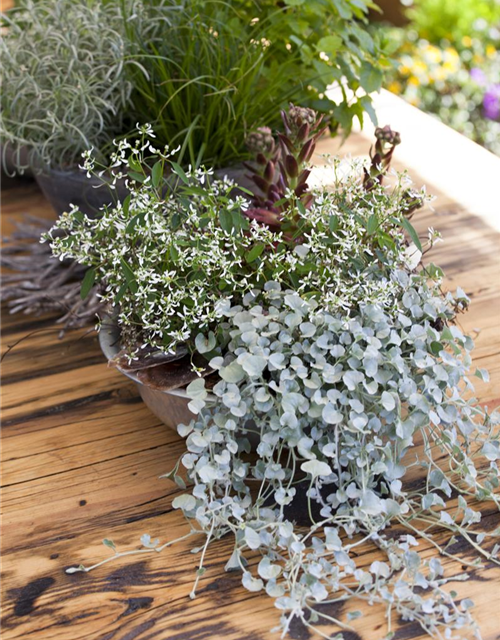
{"x": 467, "y": 41}
{"x": 414, "y": 81}
{"x": 440, "y": 74}
{"x": 449, "y": 68}
{"x": 477, "y": 59}
{"x": 419, "y": 67}
{"x": 433, "y": 54}
{"x": 491, "y": 51}
{"x": 451, "y": 55}
{"x": 394, "y": 87}
{"x": 404, "y": 69}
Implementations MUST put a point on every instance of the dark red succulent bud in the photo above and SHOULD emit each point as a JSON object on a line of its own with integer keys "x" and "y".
{"x": 304, "y": 175}
{"x": 297, "y": 116}
{"x": 286, "y": 123}
{"x": 273, "y": 192}
{"x": 269, "y": 171}
{"x": 282, "y": 179}
{"x": 387, "y": 140}
{"x": 303, "y": 132}
{"x": 386, "y": 134}
{"x": 292, "y": 168}
{"x": 264, "y": 216}
{"x": 307, "y": 151}
{"x": 377, "y": 159}
{"x": 260, "y": 182}
{"x": 320, "y": 133}
{"x": 286, "y": 142}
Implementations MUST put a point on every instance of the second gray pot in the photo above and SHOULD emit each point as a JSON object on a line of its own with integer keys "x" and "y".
{"x": 63, "y": 188}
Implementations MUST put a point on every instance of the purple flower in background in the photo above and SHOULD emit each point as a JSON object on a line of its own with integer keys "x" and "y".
{"x": 491, "y": 102}
{"x": 478, "y": 76}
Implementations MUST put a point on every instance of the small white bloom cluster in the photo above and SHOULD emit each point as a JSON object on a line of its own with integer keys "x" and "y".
{"x": 333, "y": 405}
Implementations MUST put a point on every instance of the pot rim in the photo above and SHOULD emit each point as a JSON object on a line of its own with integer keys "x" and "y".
{"x": 109, "y": 341}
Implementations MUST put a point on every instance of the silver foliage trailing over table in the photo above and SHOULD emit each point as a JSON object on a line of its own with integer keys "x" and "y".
{"x": 338, "y": 401}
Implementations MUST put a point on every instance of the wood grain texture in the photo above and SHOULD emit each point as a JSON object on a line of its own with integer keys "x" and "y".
{"x": 82, "y": 458}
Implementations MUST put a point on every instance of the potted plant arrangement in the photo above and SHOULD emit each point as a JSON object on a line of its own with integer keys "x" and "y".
{"x": 90, "y": 70}
{"x": 318, "y": 349}
{"x": 205, "y": 73}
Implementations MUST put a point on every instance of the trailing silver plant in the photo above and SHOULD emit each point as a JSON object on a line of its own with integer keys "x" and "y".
{"x": 338, "y": 402}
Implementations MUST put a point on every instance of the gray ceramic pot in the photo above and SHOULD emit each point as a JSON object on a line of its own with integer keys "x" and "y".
{"x": 239, "y": 174}
{"x": 171, "y": 407}
{"x": 62, "y": 188}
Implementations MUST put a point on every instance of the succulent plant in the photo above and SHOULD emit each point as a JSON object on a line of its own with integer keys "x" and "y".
{"x": 387, "y": 141}
{"x": 280, "y": 169}
{"x": 381, "y": 157}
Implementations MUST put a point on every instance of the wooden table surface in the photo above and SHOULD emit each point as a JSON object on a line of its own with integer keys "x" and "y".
{"x": 82, "y": 458}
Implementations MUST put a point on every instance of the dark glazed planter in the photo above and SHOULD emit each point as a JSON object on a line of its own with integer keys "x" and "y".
{"x": 238, "y": 173}
{"x": 64, "y": 188}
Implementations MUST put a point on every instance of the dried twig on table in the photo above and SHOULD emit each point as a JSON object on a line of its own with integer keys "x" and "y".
{"x": 39, "y": 283}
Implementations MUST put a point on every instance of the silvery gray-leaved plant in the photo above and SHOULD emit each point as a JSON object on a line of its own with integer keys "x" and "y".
{"x": 333, "y": 404}
{"x": 339, "y": 402}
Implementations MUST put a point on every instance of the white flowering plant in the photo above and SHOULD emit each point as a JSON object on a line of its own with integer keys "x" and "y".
{"x": 340, "y": 368}
{"x": 181, "y": 245}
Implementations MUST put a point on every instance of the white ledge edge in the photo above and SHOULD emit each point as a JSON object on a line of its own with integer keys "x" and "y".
{"x": 463, "y": 170}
